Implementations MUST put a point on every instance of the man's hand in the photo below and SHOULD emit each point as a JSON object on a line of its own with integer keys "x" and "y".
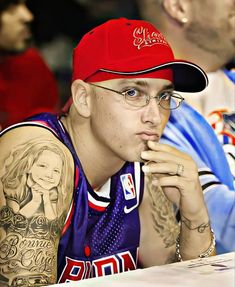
{"x": 177, "y": 174}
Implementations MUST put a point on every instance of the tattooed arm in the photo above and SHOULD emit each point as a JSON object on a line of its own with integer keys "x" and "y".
{"x": 159, "y": 228}
{"x": 36, "y": 176}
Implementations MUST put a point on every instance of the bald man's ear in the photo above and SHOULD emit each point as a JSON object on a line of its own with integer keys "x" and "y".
{"x": 81, "y": 93}
{"x": 177, "y": 9}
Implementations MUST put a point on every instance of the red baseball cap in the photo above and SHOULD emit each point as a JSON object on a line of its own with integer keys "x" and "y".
{"x": 123, "y": 48}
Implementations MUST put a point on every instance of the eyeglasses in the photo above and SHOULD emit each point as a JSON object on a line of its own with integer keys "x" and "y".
{"x": 167, "y": 99}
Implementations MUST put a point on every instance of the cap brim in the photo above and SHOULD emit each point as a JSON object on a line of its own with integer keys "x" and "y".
{"x": 188, "y": 77}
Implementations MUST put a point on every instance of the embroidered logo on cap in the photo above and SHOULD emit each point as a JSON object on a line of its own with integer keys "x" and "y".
{"x": 144, "y": 38}
{"x": 128, "y": 186}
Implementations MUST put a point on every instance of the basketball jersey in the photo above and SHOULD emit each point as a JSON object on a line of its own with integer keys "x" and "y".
{"x": 102, "y": 230}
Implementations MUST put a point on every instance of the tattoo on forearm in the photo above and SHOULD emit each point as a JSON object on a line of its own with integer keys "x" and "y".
{"x": 163, "y": 215}
{"x": 29, "y": 246}
{"x": 200, "y": 228}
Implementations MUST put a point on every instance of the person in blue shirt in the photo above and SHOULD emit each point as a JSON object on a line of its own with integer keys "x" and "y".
{"x": 203, "y": 32}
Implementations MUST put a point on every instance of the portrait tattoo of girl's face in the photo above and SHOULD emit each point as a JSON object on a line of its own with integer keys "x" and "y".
{"x": 47, "y": 169}
{"x": 37, "y": 177}
{"x": 36, "y": 185}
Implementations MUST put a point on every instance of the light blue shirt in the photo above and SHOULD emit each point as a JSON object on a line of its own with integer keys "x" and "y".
{"x": 188, "y": 131}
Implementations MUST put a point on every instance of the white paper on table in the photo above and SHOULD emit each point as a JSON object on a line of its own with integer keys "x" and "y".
{"x": 215, "y": 271}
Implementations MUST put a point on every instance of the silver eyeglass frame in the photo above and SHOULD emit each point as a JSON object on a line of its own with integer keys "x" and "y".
{"x": 148, "y": 98}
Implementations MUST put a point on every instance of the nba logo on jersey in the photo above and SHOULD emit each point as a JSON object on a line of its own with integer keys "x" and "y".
{"x": 128, "y": 186}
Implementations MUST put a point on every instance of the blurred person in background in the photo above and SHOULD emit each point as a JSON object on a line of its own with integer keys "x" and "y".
{"x": 203, "y": 32}
{"x": 55, "y": 34}
{"x": 27, "y": 86}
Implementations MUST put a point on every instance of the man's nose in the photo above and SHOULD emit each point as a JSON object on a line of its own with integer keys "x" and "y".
{"x": 151, "y": 112}
{"x": 25, "y": 13}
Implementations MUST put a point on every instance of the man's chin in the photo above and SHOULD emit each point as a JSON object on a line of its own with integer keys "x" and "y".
{"x": 137, "y": 157}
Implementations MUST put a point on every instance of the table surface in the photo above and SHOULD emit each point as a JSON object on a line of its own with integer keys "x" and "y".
{"x": 215, "y": 271}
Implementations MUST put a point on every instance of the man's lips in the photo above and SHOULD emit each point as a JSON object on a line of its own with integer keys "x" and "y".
{"x": 148, "y": 136}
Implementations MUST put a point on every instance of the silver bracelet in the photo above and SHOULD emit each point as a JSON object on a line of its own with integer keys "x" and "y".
{"x": 207, "y": 253}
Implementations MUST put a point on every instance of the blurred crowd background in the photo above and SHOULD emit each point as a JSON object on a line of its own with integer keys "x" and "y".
{"x": 59, "y": 25}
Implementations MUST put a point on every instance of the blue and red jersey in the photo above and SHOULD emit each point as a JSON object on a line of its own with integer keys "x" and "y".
{"x": 102, "y": 230}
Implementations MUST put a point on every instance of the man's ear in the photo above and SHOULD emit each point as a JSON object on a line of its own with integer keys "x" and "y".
{"x": 177, "y": 10}
{"x": 81, "y": 93}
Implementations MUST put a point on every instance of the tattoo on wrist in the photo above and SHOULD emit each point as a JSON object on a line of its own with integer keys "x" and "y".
{"x": 200, "y": 228}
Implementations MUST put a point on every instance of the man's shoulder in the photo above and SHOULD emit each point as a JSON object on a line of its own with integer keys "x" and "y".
{"x": 33, "y": 58}
{"x": 24, "y": 64}
{"x": 27, "y": 129}
{"x": 28, "y": 56}
{"x": 30, "y": 135}
{"x": 45, "y": 120}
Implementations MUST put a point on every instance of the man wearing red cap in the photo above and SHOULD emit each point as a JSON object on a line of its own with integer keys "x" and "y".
{"x": 118, "y": 214}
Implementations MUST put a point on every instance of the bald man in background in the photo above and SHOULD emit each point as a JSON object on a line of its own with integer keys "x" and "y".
{"x": 201, "y": 31}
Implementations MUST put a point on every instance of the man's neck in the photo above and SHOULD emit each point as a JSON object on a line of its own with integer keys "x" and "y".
{"x": 98, "y": 162}
{"x": 207, "y": 61}
{"x": 183, "y": 49}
